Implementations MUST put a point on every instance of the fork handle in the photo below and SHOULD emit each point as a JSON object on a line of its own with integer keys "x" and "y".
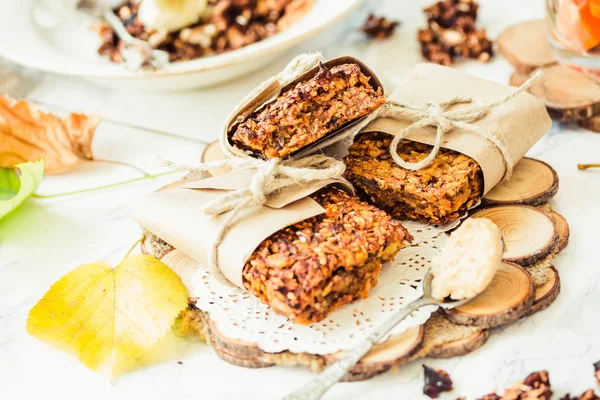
{"x": 118, "y": 27}
{"x": 318, "y": 386}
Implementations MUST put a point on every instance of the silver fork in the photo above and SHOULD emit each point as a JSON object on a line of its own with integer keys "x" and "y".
{"x": 318, "y": 386}
{"x": 137, "y": 53}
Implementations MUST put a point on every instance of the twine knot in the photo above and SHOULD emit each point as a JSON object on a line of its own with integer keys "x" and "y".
{"x": 445, "y": 117}
{"x": 268, "y": 178}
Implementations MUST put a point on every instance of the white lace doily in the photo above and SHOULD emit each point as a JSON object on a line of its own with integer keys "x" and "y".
{"x": 239, "y": 315}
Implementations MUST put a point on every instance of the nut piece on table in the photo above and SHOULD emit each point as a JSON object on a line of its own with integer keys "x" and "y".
{"x": 535, "y": 387}
{"x": 588, "y": 395}
{"x": 379, "y": 27}
{"x": 437, "y": 381}
{"x": 451, "y": 33}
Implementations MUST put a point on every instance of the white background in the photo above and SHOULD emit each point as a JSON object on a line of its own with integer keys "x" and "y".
{"x": 47, "y": 238}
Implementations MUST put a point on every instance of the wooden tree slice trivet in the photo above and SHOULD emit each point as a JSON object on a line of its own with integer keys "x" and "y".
{"x": 197, "y": 324}
{"x": 546, "y": 293}
{"x": 567, "y": 94}
{"x": 529, "y": 234}
{"x": 525, "y": 46}
{"x": 562, "y": 227}
{"x": 508, "y": 297}
{"x": 461, "y": 347}
{"x": 213, "y": 152}
{"x": 533, "y": 183}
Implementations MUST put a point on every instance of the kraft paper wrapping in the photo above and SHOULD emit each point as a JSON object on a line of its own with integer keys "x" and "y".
{"x": 175, "y": 216}
{"x": 244, "y": 110}
{"x": 519, "y": 123}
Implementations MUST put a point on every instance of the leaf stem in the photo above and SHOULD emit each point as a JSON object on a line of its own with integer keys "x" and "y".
{"x": 583, "y": 167}
{"x": 51, "y": 196}
{"x": 140, "y": 240}
{"x": 123, "y": 164}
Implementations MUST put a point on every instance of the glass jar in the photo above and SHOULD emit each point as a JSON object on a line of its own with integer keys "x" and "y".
{"x": 574, "y": 33}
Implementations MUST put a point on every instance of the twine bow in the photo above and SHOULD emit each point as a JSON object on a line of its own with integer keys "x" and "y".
{"x": 445, "y": 118}
{"x": 269, "y": 177}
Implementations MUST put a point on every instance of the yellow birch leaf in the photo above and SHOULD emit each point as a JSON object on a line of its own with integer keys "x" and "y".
{"x": 110, "y": 317}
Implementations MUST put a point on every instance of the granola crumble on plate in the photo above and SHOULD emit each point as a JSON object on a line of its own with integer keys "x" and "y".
{"x": 225, "y": 25}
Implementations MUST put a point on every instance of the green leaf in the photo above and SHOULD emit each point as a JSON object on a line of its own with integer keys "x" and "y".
{"x": 17, "y": 184}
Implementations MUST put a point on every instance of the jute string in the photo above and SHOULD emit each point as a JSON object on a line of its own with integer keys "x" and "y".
{"x": 269, "y": 177}
{"x": 295, "y": 69}
{"x": 445, "y": 118}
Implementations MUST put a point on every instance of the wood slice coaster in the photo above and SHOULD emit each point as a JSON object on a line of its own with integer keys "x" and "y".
{"x": 526, "y": 46}
{"x": 461, "y": 347}
{"x": 395, "y": 351}
{"x": 567, "y": 94}
{"x": 546, "y": 293}
{"x": 562, "y": 227}
{"x": 533, "y": 183}
{"x": 592, "y": 124}
{"x": 529, "y": 234}
{"x": 508, "y": 297}
{"x": 213, "y": 152}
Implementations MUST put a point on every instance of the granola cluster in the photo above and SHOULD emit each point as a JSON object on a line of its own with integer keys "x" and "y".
{"x": 451, "y": 33}
{"x": 309, "y": 111}
{"x": 229, "y": 25}
{"x": 439, "y": 193}
{"x": 379, "y": 27}
{"x": 311, "y": 268}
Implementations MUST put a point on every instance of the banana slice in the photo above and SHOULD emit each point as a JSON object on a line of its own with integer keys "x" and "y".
{"x": 170, "y": 15}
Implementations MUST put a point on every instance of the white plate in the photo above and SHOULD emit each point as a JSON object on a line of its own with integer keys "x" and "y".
{"x": 70, "y": 48}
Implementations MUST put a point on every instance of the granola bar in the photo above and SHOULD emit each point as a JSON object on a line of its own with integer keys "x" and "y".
{"x": 439, "y": 193}
{"x": 311, "y": 268}
{"x": 229, "y": 25}
{"x": 309, "y": 111}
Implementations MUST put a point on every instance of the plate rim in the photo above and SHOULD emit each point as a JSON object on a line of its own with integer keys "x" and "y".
{"x": 253, "y": 51}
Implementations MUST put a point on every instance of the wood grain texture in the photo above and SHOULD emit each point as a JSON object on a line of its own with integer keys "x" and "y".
{"x": 462, "y": 346}
{"x": 567, "y": 94}
{"x": 533, "y": 183}
{"x": 529, "y": 234}
{"x": 546, "y": 293}
{"x": 508, "y": 297}
{"x": 526, "y": 46}
{"x": 562, "y": 227}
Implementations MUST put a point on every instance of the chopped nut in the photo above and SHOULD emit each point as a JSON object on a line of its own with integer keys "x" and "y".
{"x": 597, "y": 372}
{"x": 436, "y": 382}
{"x": 379, "y": 27}
{"x": 451, "y": 33}
{"x": 588, "y": 395}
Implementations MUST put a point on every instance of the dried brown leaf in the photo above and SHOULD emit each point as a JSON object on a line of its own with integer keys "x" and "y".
{"x": 28, "y": 134}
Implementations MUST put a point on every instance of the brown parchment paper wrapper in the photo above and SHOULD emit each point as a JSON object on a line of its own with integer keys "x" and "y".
{"x": 519, "y": 123}
{"x": 273, "y": 90}
{"x": 175, "y": 216}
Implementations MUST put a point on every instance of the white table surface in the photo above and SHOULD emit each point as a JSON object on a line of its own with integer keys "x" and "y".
{"x": 47, "y": 238}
